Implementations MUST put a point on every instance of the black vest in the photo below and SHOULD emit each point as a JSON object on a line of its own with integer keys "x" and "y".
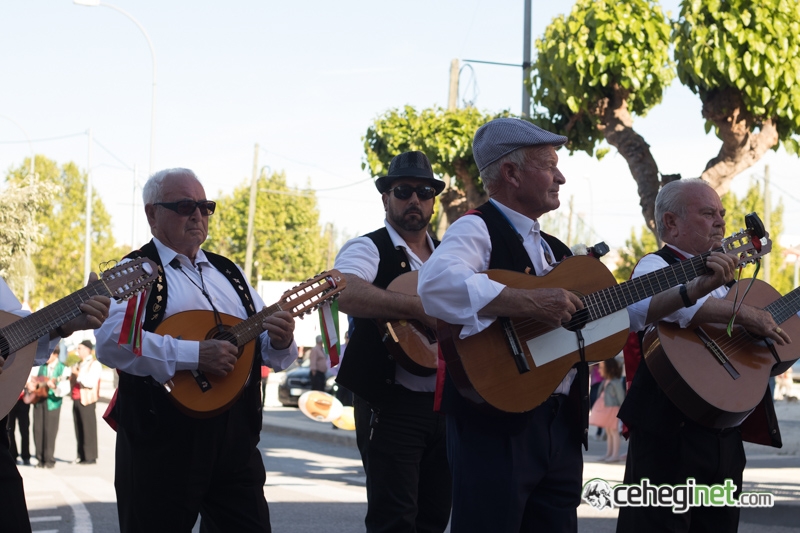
{"x": 140, "y": 398}
{"x": 367, "y": 368}
{"x": 508, "y": 253}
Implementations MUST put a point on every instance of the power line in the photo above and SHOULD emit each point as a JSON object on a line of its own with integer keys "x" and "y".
{"x": 45, "y": 139}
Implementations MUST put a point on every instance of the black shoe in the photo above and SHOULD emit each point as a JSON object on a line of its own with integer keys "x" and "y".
{"x": 84, "y": 462}
{"x": 26, "y": 462}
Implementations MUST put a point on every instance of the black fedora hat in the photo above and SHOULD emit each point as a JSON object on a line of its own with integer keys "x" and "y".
{"x": 409, "y": 165}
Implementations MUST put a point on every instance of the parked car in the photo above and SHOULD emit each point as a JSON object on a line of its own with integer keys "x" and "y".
{"x": 295, "y": 381}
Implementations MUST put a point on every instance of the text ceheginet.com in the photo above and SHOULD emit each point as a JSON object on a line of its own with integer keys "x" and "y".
{"x": 601, "y": 495}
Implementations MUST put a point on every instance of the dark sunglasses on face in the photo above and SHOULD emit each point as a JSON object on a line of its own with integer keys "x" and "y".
{"x": 186, "y": 208}
{"x": 403, "y": 192}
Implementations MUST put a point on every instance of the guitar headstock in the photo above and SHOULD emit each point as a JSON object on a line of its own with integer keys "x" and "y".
{"x": 749, "y": 244}
{"x": 307, "y": 296}
{"x": 127, "y": 279}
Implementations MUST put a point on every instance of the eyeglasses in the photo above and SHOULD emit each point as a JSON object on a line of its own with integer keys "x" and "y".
{"x": 186, "y": 208}
{"x": 403, "y": 192}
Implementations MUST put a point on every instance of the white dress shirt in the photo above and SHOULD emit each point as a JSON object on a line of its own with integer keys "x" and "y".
{"x": 452, "y": 286}
{"x": 638, "y": 312}
{"x": 163, "y": 356}
{"x": 360, "y": 257}
{"x": 10, "y": 304}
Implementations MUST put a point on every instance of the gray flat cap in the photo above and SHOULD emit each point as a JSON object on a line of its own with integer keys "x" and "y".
{"x": 502, "y": 136}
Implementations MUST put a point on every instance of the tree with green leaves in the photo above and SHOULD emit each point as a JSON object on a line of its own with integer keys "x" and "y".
{"x": 20, "y": 233}
{"x": 62, "y": 216}
{"x": 607, "y": 62}
{"x": 445, "y": 137}
{"x": 288, "y": 240}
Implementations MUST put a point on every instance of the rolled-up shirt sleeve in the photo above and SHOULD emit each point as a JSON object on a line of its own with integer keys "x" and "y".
{"x": 162, "y": 355}
{"x": 451, "y": 285}
{"x": 638, "y": 312}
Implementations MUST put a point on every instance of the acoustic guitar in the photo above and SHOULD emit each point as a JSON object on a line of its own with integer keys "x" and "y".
{"x": 718, "y": 380}
{"x": 411, "y": 343}
{"x": 202, "y": 396}
{"x": 18, "y": 336}
{"x": 516, "y": 363}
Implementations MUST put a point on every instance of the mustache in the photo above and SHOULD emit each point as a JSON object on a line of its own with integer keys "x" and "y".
{"x": 412, "y": 210}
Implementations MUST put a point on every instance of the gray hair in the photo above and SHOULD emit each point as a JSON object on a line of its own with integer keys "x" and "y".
{"x": 151, "y": 192}
{"x": 670, "y": 199}
{"x": 519, "y": 157}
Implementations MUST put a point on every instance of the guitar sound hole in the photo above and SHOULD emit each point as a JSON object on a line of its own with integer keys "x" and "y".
{"x": 579, "y": 320}
{"x": 226, "y": 336}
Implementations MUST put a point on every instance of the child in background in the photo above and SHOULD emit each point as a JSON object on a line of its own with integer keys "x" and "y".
{"x": 606, "y": 407}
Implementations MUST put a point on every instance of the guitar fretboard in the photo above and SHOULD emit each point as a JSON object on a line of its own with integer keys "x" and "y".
{"x": 21, "y": 333}
{"x": 786, "y": 306}
{"x": 617, "y": 297}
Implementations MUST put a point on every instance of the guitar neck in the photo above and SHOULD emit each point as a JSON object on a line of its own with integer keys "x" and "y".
{"x": 618, "y": 297}
{"x": 785, "y": 307}
{"x": 27, "y": 329}
{"x": 247, "y": 330}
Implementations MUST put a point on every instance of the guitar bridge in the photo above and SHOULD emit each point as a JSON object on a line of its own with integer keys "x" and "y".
{"x": 516, "y": 348}
{"x": 201, "y": 380}
{"x": 717, "y": 352}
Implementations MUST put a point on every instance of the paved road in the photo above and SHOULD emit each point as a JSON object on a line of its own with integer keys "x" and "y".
{"x": 315, "y": 479}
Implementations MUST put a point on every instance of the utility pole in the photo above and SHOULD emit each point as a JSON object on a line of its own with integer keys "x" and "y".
{"x": 767, "y": 219}
{"x": 526, "y": 60}
{"x": 251, "y": 215}
{"x": 87, "y": 249}
{"x": 133, "y": 209}
{"x": 452, "y": 101}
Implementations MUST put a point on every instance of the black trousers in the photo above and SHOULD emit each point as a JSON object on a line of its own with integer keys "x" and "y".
{"x": 317, "y": 380}
{"x": 708, "y": 456}
{"x": 171, "y": 467}
{"x": 85, "y": 418}
{"x": 402, "y": 445}
{"x": 13, "y": 511}
{"x": 20, "y": 416}
{"x": 45, "y": 429}
{"x": 518, "y": 476}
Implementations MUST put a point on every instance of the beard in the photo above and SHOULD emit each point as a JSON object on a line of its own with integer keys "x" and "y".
{"x": 411, "y": 219}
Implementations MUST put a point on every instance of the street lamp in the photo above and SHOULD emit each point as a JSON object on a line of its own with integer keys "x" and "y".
{"x": 94, "y": 3}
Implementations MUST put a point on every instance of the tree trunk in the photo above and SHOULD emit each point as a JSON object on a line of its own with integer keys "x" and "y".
{"x": 741, "y": 147}
{"x": 617, "y": 127}
{"x": 456, "y": 202}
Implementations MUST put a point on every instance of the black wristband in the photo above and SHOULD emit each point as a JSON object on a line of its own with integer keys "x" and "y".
{"x": 685, "y": 296}
{"x": 60, "y": 332}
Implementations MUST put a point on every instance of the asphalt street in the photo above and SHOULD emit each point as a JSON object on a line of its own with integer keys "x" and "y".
{"x": 315, "y": 480}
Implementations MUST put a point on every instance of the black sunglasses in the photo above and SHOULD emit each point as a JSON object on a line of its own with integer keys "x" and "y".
{"x": 403, "y": 192}
{"x": 186, "y": 208}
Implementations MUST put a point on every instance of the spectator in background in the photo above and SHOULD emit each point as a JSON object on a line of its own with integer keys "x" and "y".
{"x": 85, "y": 381}
{"x": 46, "y": 413}
{"x": 318, "y": 366}
{"x": 20, "y": 416}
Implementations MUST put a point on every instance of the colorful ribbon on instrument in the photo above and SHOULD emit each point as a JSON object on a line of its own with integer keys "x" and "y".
{"x": 737, "y": 306}
{"x": 131, "y": 332}
{"x": 329, "y": 324}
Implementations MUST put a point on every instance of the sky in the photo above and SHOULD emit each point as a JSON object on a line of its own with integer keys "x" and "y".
{"x": 304, "y": 81}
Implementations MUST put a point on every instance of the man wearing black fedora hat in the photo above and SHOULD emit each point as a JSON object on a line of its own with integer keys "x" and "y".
{"x": 511, "y": 471}
{"x": 400, "y": 437}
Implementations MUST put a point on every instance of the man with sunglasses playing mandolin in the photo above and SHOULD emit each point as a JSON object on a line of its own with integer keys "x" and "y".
{"x": 400, "y": 437}
{"x": 666, "y": 446}
{"x": 171, "y": 466}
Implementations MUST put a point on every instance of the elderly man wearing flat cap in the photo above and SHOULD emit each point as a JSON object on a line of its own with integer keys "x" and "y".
{"x": 511, "y": 472}
{"x": 400, "y": 437}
